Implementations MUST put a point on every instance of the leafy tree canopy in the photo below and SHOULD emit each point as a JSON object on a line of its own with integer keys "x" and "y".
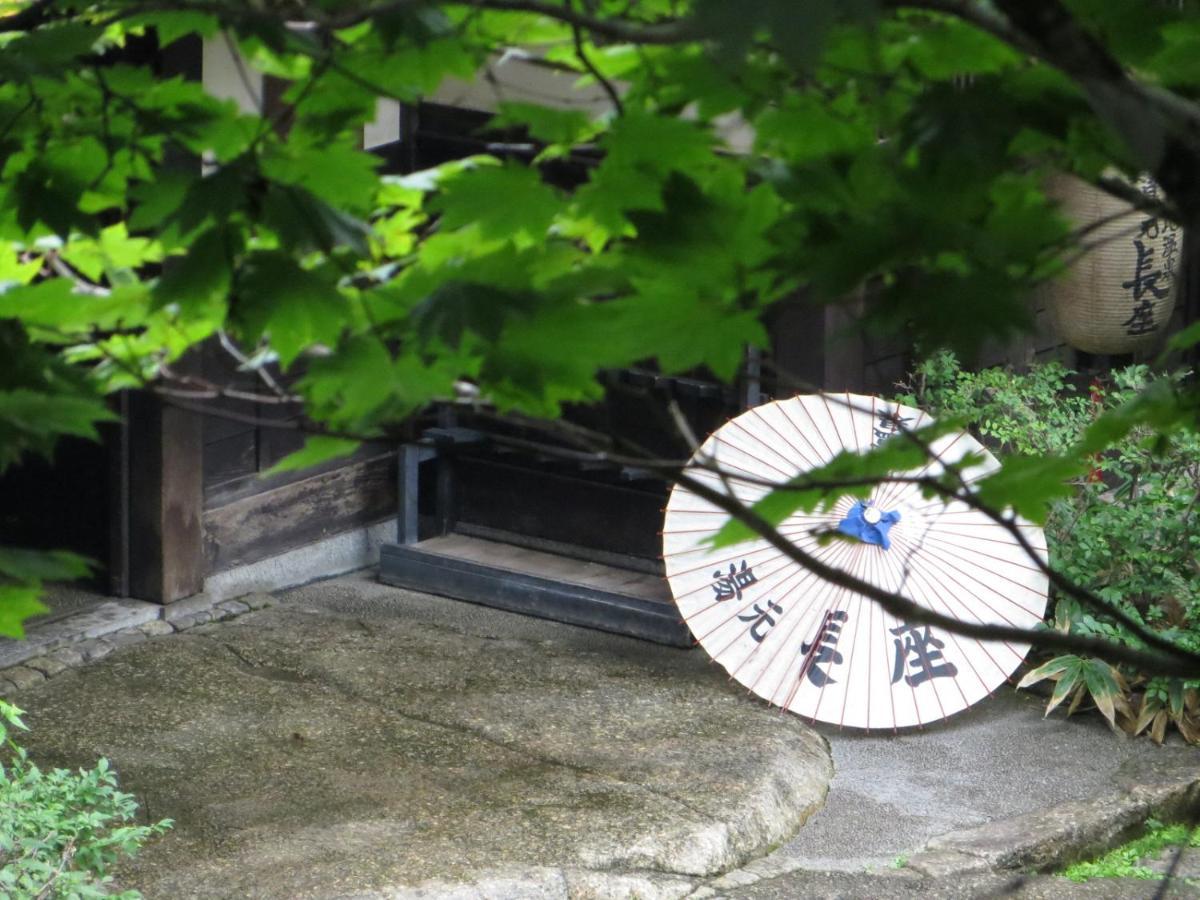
{"x": 901, "y": 143}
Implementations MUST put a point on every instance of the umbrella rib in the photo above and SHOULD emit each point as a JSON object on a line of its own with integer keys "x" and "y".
{"x": 742, "y": 554}
{"x": 804, "y": 576}
{"x": 912, "y": 688}
{"x": 891, "y": 488}
{"x": 946, "y": 501}
{"x": 859, "y": 572}
{"x": 857, "y": 568}
{"x": 945, "y": 559}
{"x": 877, "y": 568}
{"x": 786, "y": 640}
{"x": 968, "y": 583}
{"x": 708, "y": 584}
{"x": 820, "y": 433}
{"x": 767, "y": 422}
{"x": 790, "y": 564}
{"x": 783, "y": 409}
{"x": 714, "y": 454}
{"x": 721, "y": 512}
{"x": 840, "y": 593}
{"x": 788, "y": 475}
{"x": 982, "y": 520}
{"x": 726, "y": 480}
{"x": 843, "y": 595}
{"x": 745, "y": 555}
{"x": 1007, "y": 540}
{"x": 887, "y": 491}
{"x": 833, "y": 421}
{"x": 853, "y": 425}
{"x": 1020, "y": 565}
{"x": 792, "y": 586}
{"x": 932, "y": 588}
{"x": 962, "y": 654}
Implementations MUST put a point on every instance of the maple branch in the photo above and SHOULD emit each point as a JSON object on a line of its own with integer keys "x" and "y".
{"x": 973, "y": 14}
{"x": 586, "y": 62}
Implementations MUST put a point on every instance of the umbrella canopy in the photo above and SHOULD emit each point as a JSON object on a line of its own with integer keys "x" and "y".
{"x": 824, "y": 651}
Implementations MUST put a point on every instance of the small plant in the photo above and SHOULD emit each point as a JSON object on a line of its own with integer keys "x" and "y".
{"x": 1125, "y": 861}
{"x": 1130, "y": 531}
{"x": 899, "y": 862}
{"x": 61, "y": 831}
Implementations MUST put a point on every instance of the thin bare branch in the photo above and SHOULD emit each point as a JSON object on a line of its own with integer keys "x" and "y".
{"x": 586, "y": 62}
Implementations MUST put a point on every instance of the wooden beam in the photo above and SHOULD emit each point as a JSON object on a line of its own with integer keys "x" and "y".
{"x": 302, "y": 512}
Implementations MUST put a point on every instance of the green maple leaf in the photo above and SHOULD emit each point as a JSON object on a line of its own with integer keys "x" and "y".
{"x": 296, "y": 308}
{"x": 316, "y": 450}
{"x": 507, "y": 201}
{"x": 19, "y": 602}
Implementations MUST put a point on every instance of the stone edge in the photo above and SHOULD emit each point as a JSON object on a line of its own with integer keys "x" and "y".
{"x": 1049, "y": 839}
{"x": 93, "y": 634}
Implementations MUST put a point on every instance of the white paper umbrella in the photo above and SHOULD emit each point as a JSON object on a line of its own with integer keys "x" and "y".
{"x": 823, "y": 651}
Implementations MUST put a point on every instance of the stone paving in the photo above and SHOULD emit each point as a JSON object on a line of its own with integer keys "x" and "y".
{"x": 355, "y": 740}
{"x": 359, "y": 740}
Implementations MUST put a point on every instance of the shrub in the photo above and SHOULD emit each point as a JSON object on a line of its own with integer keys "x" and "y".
{"x": 1128, "y": 532}
{"x": 60, "y": 831}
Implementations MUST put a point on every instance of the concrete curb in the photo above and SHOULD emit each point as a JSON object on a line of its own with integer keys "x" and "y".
{"x": 1165, "y": 785}
{"x": 53, "y": 647}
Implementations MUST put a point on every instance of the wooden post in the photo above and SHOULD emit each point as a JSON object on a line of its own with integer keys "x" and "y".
{"x": 116, "y": 441}
{"x": 166, "y": 549}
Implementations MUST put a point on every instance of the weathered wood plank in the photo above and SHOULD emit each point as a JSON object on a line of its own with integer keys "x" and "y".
{"x": 166, "y": 557}
{"x": 249, "y": 485}
{"x": 550, "y": 566}
{"x": 270, "y": 522}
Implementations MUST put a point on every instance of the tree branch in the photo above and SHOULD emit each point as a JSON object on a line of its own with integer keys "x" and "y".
{"x": 1176, "y": 662}
{"x": 671, "y": 31}
{"x": 1123, "y": 190}
{"x": 586, "y": 62}
{"x": 974, "y": 14}
{"x": 1171, "y": 660}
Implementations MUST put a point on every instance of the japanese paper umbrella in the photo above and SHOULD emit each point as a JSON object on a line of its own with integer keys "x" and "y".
{"x": 824, "y": 651}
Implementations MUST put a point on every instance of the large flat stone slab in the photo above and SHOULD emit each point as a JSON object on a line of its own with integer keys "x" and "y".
{"x": 362, "y": 740}
{"x": 895, "y": 793}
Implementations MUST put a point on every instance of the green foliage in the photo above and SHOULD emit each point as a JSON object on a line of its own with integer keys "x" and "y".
{"x": 1126, "y": 861}
{"x": 1121, "y": 522}
{"x": 868, "y": 159}
{"x": 61, "y": 831}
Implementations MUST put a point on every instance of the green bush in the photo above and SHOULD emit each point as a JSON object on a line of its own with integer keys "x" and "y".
{"x": 1128, "y": 531}
{"x": 61, "y": 831}
{"x": 1126, "y": 861}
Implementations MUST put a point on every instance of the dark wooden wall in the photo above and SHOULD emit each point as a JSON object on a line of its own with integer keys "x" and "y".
{"x": 249, "y": 515}
{"x": 824, "y": 347}
{"x": 815, "y": 346}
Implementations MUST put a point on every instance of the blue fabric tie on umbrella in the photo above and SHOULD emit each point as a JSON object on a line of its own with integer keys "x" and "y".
{"x": 869, "y": 524}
